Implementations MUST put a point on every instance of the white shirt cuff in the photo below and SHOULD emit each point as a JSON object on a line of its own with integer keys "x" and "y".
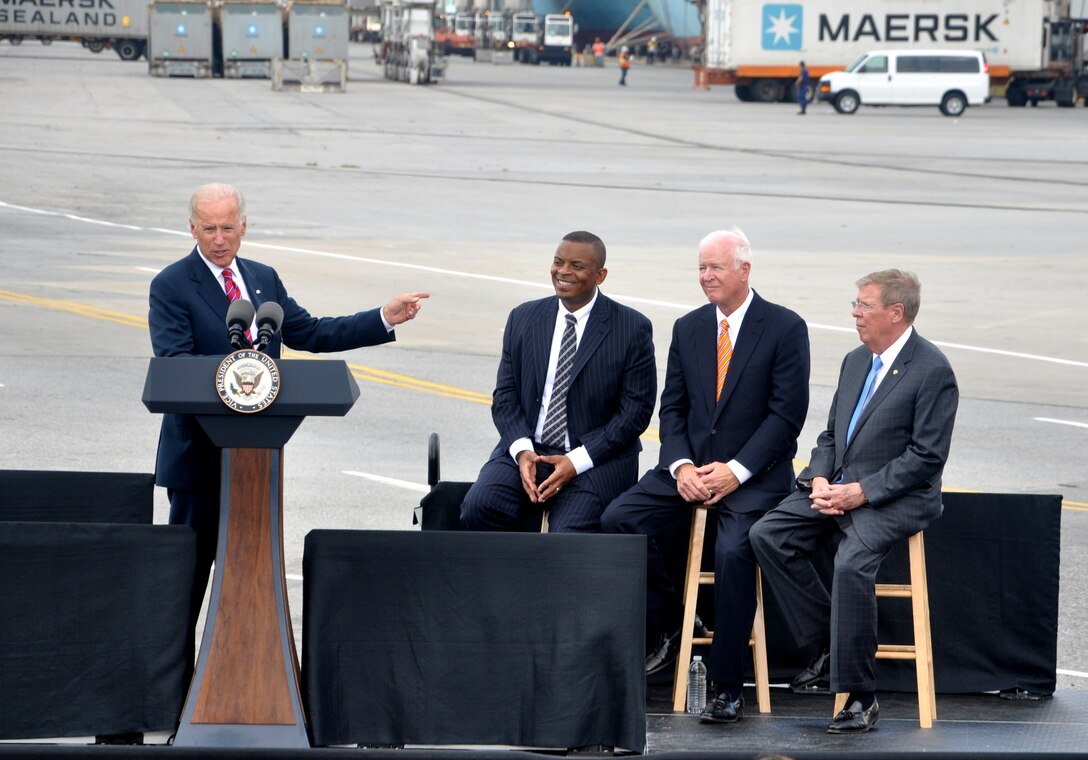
{"x": 581, "y": 459}
{"x": 742, "y": 473}
{"x": 675, "y": 465}
{"x": 520, "y": 445}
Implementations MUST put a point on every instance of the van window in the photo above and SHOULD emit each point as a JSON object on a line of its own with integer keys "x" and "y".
{"x": 877, "y": 64}
{"x": 854, "y": 66}
{"x": 938, "y": 64}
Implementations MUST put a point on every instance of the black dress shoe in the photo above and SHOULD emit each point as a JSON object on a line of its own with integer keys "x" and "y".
{"x": 816, "y": 678}
{"x": 667, "y": 647}
{"x": 663, "y": 654}
{"x": 854, "y": 719}
{"x": 722, "y": 709}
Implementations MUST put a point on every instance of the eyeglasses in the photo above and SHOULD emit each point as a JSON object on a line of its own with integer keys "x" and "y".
{"x": 865, "y": 307}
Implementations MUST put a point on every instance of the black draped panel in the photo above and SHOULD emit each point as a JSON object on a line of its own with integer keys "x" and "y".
{"x": 992, "y": 563}
{"x": 474, "y": 638}
{"x": 92, "y": 633}
{"x": 60, "y": 496}
{"x": 993, "y": 570}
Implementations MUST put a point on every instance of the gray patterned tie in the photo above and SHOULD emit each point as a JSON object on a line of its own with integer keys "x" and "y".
{"x": 555, "y": 424}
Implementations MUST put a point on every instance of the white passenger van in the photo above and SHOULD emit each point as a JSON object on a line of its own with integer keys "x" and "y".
{"x": 949, "y": 79}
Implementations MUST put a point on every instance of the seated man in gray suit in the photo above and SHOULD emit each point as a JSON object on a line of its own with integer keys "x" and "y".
{"x": 576, "y": 388}
{"x": 874, "y": 478}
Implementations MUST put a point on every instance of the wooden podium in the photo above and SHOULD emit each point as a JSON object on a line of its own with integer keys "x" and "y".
{"x": 245, "y": 688}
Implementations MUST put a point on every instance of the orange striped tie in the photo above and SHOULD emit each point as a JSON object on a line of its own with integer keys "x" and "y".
{"x": 725, "y": 353}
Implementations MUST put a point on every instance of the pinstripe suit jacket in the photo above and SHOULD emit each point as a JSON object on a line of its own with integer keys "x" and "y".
{"x": 900, "y": 443}
{"x": 612, "y": 392}
{"x": 187, "y": 317}
{"x": 762, "y": 406}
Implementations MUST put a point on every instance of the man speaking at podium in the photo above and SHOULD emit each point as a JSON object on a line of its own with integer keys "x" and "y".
{"x": 189, "y": 301}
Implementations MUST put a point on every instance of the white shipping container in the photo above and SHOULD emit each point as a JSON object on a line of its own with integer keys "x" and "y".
{"x": 764, "y": 38}
{"x": 85, "y": 18}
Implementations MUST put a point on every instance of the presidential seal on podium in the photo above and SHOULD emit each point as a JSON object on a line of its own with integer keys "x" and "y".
{"x": 247, "y": 381}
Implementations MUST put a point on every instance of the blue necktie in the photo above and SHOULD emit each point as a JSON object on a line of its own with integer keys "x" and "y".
{"x": 866, "y": 392}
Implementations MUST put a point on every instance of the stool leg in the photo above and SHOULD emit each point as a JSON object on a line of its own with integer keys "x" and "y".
{"x": 840, "y": 702}
{"x": 923, "y": 644}
{"x": 691, "y": 596}
{"x": 759, "y": 650}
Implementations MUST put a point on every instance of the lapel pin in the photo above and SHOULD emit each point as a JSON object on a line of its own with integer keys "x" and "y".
{"x": 258, "y": 292}
{"x": 894, "y": 371}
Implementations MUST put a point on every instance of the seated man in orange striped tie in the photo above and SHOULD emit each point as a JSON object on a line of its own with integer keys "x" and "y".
{"x": 734, "y": 402}
{"x": 188, "y": 308}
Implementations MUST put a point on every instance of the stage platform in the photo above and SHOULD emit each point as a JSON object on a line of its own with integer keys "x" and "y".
{"x": 975, "y": 726}
{"x": 983, "y": 725}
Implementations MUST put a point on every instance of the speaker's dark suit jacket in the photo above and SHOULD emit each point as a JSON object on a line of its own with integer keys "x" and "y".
{"x": 756, "y": 421}
{"x": 187, "y": 317}
{"x": 897, "y": 454}
{"x": 609, "y": 403}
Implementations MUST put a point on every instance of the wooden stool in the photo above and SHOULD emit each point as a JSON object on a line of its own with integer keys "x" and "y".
{"x": 693, "y": 579}
{"x": 922, "y": 649}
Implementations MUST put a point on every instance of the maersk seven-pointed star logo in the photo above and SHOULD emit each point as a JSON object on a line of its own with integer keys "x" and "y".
{"x": 782, "y": 26}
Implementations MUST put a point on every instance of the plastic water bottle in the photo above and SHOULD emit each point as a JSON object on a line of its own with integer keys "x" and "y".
{"x": 696, "y": 686}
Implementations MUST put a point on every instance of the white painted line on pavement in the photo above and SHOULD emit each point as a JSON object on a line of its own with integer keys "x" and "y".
{"x": 377, "y": 479}
{"x": 1014, "y": 354}
{"x": 1061, "y": 422}
{"x": 506, "y": 280}
{"x": 1076, "y": 673}
{"x": 389, "y": 481}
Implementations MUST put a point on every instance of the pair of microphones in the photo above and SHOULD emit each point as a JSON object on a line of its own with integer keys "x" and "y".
{"x": 240, "y": 315}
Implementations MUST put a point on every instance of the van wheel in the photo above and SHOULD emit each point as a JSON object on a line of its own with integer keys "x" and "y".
{"x": 953, "y": 104}
{"x": 847, "y": 101}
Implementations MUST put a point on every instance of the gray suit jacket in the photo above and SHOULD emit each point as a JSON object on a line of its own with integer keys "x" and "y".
{"x": 900, "y": 443}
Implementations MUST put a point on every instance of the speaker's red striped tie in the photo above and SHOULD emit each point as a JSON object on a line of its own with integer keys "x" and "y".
{"x": 233, "y": 293}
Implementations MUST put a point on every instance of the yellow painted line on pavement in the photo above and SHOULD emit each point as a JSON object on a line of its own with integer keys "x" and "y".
{"x": 72, "y": 307}
{"x": 361, "y": 371}
{"x": 375, "y": 375}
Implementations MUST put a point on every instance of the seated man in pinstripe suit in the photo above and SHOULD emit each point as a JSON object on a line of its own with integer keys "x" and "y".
{"x": 576, "y": 387}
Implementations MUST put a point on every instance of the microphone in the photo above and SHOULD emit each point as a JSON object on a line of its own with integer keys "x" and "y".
{"x": 269, "y": 319}
{"x": 239, "y": 317}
